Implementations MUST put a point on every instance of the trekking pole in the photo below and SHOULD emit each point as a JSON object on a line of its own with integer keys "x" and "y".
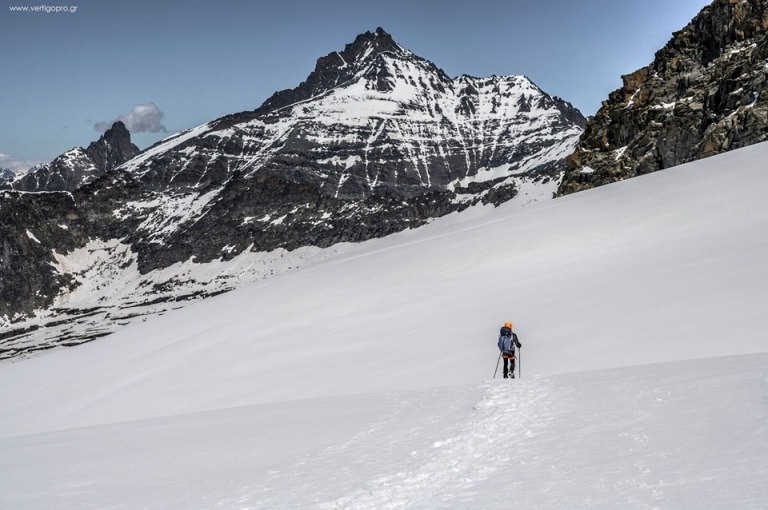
{"x": 497, "y": 366}
{"x": 520, "y": 363}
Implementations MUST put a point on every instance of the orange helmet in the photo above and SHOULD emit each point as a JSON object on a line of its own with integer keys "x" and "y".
{"x": 508, "y": 325}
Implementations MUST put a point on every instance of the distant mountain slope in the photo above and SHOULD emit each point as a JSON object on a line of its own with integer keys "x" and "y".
{"x": 705, "y": 93}
{"x": 375, "y": 141}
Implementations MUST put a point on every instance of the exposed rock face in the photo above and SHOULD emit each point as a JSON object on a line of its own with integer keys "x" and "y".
{"x": 705, "y": 93}
{"x": 113, "y": 149}
{"x": 375, "y": 141}
{"x": 79, "y": 166}
{"x": 36, "y": 226}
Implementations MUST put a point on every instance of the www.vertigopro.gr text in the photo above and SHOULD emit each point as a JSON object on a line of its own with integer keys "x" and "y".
{"x": 47, "y": 9}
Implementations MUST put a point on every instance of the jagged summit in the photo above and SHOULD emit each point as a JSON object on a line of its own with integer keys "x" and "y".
{"x": 338, "y": 67}
{"x": 117, "y": 136}
{"x": 372, "y": 43}
{"x": 113, "y": 148}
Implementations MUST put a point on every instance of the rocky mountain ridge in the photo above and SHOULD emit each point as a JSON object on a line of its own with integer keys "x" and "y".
{"x": 378, "y": 99}
{"x": 78, "y": 166}
{"x": 705, "y": 93}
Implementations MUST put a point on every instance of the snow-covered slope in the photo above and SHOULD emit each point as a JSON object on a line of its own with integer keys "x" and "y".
{"x": 678, "y": 435}
{"x": 362, "y": 381}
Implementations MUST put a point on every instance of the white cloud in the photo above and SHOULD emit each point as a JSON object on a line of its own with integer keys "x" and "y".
{"x": 16, "y": 165}
{"x": 143, "y": 118}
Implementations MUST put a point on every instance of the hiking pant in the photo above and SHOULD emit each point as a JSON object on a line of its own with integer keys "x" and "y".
{"x": 509, "y": 361}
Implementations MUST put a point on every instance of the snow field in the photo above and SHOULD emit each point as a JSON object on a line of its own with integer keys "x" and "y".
{"x": 361, "y": 381}
{"x": 688, "y": 434}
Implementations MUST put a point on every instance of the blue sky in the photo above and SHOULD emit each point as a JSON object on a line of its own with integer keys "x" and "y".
{"x": 188, "y": 62}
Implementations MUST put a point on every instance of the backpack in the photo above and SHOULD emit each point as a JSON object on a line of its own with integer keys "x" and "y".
{"x": 505, "y": 343}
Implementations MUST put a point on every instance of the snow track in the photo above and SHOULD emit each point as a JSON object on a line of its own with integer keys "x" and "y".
{"x": 638, "y": 437}
{"x": 479, "y": 448}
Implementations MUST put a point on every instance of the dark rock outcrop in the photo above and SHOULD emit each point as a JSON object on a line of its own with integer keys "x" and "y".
{"x": 113, "y": 149}
{"x": 705, "y": 93}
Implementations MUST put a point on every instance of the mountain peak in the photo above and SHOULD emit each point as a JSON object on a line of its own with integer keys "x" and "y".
{"x": 118, "y": 129}
{"x": 337, "y": 67}
{"x": 6, "y": 174}
{"x": 371, "y": 43}
{"x": 113, "y": 148}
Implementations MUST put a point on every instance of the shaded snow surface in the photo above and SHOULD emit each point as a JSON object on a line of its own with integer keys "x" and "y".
{"x": 675, "y": 435}
{"x": 363, "y": 381}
